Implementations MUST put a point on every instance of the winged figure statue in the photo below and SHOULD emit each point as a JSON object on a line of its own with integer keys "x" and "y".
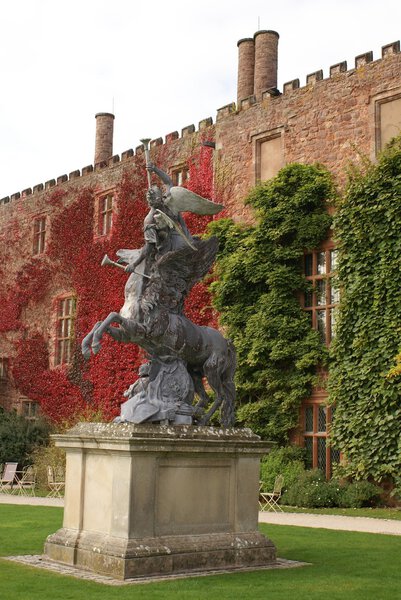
{"x": 181, "y": 355}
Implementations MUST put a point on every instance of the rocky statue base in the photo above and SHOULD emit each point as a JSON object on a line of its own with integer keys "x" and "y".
{"x": 145, "y": 500}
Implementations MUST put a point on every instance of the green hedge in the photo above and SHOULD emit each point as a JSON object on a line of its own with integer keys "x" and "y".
{"x": 287, "y": 461}
{"x": 311, "y": 490}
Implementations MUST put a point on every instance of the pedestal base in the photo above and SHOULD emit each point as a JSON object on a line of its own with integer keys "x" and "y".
{"x": 146, "y": 500}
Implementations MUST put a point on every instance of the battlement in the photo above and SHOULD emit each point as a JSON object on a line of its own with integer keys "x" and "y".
{"x": 186, "y": 132}
{"x": 257, "y": 67}
{"x": 339, "y": 69}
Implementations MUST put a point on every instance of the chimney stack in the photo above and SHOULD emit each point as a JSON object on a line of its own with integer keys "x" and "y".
{"x": 266, "y": 50}
{"x": 246, "y": 68}
{"x": 104, "y": 137}
{"x": 257, "y": 64}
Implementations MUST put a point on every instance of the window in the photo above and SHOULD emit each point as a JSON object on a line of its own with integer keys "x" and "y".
{"x": 388, "y": 120}
{"x": 65, "y": 330}
{"x": 39, "y": 235}
{"x": 3, "y": 369}
{"x": 105, "y": 214}
{"x": 323, "y": 296}
{"x": 30, "y": 410}
{"x": 317, "y": 419}
{"x": 180, "y": 176}
{"x": 269, "y": 157}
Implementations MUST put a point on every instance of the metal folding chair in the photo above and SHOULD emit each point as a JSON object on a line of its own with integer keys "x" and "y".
{"x": 55, "y": 481}
{"x": 8, "y": 477}
{"x": 269, "y": 500}
{"x": 26, "y": 484}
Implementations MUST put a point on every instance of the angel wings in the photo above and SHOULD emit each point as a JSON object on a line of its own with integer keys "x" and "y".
{"x": 180, "y": 199}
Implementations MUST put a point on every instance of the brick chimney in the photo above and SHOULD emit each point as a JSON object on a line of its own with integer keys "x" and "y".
{"x": 266, "y": 50}
{"x": 246, "y": 68}
{"x": 104, "y": 137}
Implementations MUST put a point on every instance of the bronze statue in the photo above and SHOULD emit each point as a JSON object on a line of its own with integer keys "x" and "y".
{"x": 180, "y": 353}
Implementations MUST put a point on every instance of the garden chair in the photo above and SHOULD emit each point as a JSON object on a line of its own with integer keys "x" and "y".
{"x": 55, "y": 481}
{"x": 8, "y": 477}
{"x": 269, "y": 500}
{"x": 26, "y": 484}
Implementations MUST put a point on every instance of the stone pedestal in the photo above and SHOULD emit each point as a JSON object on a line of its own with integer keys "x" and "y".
{"x": 145, "y": 500}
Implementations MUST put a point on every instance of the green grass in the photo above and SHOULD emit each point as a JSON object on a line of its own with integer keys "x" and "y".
{"x": 345, "y": 565}
{"x": 373, "y": 513}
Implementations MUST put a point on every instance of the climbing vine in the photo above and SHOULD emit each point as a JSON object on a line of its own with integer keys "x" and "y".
{"x": 259, "y": 277}
{"x": 365, "y": 382}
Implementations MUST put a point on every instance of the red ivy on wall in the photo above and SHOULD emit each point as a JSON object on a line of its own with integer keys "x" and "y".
{"x": 73, "y": 259}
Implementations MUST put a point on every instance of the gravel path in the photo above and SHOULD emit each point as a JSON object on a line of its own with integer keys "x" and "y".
{"x": 31, "y": 500}
{"x": 364, "y": 524}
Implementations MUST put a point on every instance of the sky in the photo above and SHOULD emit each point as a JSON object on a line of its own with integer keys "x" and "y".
{"x": 158, "y": 66}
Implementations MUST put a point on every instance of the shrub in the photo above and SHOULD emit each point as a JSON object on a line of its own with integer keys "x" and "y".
{"x": 19, "y": 436}
{"x": 311, "y": 490}
{"x": 360, "y": 493}
{"x": 287, "y": 461}
{"x": 45, "y": 456}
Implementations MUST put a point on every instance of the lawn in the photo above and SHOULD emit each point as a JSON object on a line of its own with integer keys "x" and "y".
{"x": 345, "y": 565}
{"x": 372, "y": 513}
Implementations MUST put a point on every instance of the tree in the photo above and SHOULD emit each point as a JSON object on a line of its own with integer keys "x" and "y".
{"x": 19, "y": 436}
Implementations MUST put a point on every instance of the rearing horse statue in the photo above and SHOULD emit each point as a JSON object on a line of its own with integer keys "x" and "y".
{"x": 181, "y": 354}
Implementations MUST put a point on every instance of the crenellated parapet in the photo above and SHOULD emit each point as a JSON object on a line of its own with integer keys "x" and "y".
{"x": 112, "y": 161}
{"x": 312, "y": 79}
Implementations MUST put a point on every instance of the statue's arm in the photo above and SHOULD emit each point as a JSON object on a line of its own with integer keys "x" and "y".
{"x": 166, "y": 179}
{"x": 142, "y": 255}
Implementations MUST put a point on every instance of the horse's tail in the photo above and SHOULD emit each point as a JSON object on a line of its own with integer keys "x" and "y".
{"x": 228, "y": 406}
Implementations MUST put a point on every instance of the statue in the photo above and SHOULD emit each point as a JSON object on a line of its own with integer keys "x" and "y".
{"x": 181, "y": 354}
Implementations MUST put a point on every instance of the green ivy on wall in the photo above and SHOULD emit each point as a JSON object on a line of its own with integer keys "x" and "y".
{"x": 259, "y": 279}
{"x": 363, "y": 383}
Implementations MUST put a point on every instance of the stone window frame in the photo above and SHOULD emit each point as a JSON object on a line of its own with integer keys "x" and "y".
{"x": 325, "y": 300}
{"x": 30, "y": 409}
{"x": 106, "y": 211}
{"x": 257, "y": 140}
{"x": 39, "y": 235}
{"x": 378, "y": 101}
{"x": 4, "y": 368}
{"x": 100, "y": 230}
{"x": 64, "y": 329}
{"x": 180, "y": 174}
{"x": 316, "y": 433}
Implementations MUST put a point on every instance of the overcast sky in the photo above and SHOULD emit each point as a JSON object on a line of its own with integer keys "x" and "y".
{"x": 159, "y": 66}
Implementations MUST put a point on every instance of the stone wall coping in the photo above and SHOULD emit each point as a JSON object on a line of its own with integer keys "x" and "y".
{"x": 131, "y": 437}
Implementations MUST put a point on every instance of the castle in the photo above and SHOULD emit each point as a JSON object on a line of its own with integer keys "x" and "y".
{"x": 330, "y": 119}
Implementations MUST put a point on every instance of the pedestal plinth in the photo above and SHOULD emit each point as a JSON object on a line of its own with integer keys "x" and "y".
{"x": 144, "y": 500}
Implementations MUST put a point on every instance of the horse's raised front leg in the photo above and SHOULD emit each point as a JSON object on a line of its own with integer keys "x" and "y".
{"x": 87, "y": 341}
{"x": 102, "y": 329}
{"x": 118, "y": 334}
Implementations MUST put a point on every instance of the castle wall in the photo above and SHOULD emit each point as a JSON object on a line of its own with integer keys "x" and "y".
{"x": 17, "y": 215}
{"x": 329, "y": 121}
